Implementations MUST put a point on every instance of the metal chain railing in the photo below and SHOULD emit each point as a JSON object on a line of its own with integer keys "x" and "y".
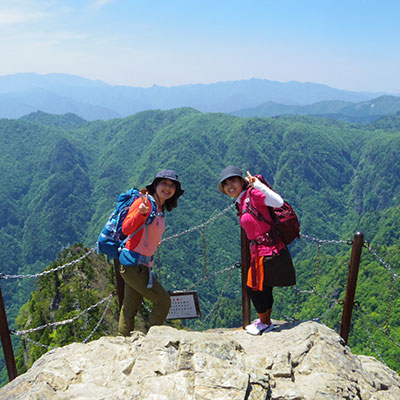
{"x": 371, "y": 340}
{"x": 195, "y": 228}
{"x": 45, "y": 346}
{"x": 389, "y": 311}
{"x": 214, "y": 307}
{"x": 332, "y": 241}
{"x": 48, "y": 347}
{"x": 67, "y": 321}
{"x": 99, "y": 321}
{"x": 314, "y": 288}
{"x": 61, "y": 267}
{"x": 4, "y": 276}
{"x": 333, "y": 303}
{"x": 313, "y": 291}
{"x": 358, "y": 307}
{"x": 212, "y": 275}
{"x": 203, "y": 234}
{"x": 207, "y": 275}
{"x": 387, "y": 266}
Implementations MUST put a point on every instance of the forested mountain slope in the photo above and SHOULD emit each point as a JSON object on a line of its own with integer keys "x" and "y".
{"x": 61, "y": 176}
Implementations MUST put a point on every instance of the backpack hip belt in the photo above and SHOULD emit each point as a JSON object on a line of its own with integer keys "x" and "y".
{"x": 139, "y": 258}
{"x": 267, "y": 239}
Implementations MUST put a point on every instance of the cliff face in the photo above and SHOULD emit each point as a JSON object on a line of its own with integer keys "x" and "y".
{"x": 296, "y": 361}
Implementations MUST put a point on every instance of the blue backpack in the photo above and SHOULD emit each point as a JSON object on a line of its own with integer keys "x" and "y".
{"x": 111, "y": 238}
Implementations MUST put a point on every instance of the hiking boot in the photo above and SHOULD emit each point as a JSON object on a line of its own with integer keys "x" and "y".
{"x": 258, "y": 328}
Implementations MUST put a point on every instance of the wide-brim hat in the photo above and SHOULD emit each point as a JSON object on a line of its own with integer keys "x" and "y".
{"x": 229, "y": 172}
{"x": 167, "y": 174}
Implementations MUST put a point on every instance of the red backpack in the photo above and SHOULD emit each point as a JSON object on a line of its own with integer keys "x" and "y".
{"x": 286, "y": 223}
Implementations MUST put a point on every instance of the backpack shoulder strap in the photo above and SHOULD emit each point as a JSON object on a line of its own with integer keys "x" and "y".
{"x": 250, "y": 208}
{"x": 131, "y": 235}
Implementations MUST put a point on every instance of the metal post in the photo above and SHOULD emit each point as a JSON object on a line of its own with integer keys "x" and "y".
{"x": 119, "y": 282}
{"x": 351, "y": 285}
{"x": 6, "y": 342}
{"x": 245, "y": 255}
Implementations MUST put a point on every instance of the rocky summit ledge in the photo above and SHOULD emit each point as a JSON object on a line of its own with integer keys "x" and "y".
{"x": 296, "y": 361}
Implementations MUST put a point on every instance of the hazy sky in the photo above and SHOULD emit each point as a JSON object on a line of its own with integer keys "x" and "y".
{"x": 352, "y": 44}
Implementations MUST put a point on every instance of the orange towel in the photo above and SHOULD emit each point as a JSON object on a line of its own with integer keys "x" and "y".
{"x": 255, "y": 276}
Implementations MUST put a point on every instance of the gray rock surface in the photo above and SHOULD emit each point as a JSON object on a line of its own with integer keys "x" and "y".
{"x": 296, "y": 361}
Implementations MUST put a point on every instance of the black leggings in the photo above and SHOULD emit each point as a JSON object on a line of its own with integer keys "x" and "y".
{"x": 262, "y": 301}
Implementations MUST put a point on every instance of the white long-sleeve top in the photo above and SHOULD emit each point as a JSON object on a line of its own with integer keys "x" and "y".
{"x": 272, "y": 199}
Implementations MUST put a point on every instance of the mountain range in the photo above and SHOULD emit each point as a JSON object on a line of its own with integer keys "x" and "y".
{"x": 362, "y": 112}
{"x": 23, "y": 93}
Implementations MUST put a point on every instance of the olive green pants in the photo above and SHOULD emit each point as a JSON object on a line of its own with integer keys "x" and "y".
{"x": 136, "y": 279}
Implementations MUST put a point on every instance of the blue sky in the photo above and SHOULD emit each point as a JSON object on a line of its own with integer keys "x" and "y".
{"x": 353, "y": 44}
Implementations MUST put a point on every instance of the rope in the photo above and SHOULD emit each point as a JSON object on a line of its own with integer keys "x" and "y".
{"x": 3, "y": 276}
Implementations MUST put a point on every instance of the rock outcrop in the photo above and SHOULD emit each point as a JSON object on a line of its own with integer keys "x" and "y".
{"x": 296, "y": 361}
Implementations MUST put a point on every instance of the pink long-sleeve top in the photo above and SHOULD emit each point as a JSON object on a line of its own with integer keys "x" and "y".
{"x": 255, "y": 227}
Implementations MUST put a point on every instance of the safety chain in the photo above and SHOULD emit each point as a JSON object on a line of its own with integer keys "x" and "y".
{"x": 312, "y": 291}
{"x": 212, "y": 275}
{"x": 203, "y": 231}
{"x": 296, "y": 309}
{"x": 317, "y": 267}
{"x": 159, "y": 264}
{"x": 370, "y": 338}
{"x": 333, "y": 303}
{"x": 99, "y": 322}
{"x": 358, "y": 307}
{"x": 387, "y": 266}
{"x": 219, "y": 298}
{"x": 198, "y": 226}
{"x": 389, "y": 312}
{"x": 304, "y": 236}
{"x": 314, "y": 287}
{"x": 45, "y": 346}
{"x": 3, "y": 276}
{"x": 48, "y": 347}
{"x": 67, "y": 321}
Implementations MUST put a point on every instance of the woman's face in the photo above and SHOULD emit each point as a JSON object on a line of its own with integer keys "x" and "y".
{"x": 165, "y": 189}
{"x": 233, "y": 186}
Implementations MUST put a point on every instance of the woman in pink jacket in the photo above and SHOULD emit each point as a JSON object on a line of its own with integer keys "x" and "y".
{"x": 271, "y": 264}
{"x": 136, "y": 257}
